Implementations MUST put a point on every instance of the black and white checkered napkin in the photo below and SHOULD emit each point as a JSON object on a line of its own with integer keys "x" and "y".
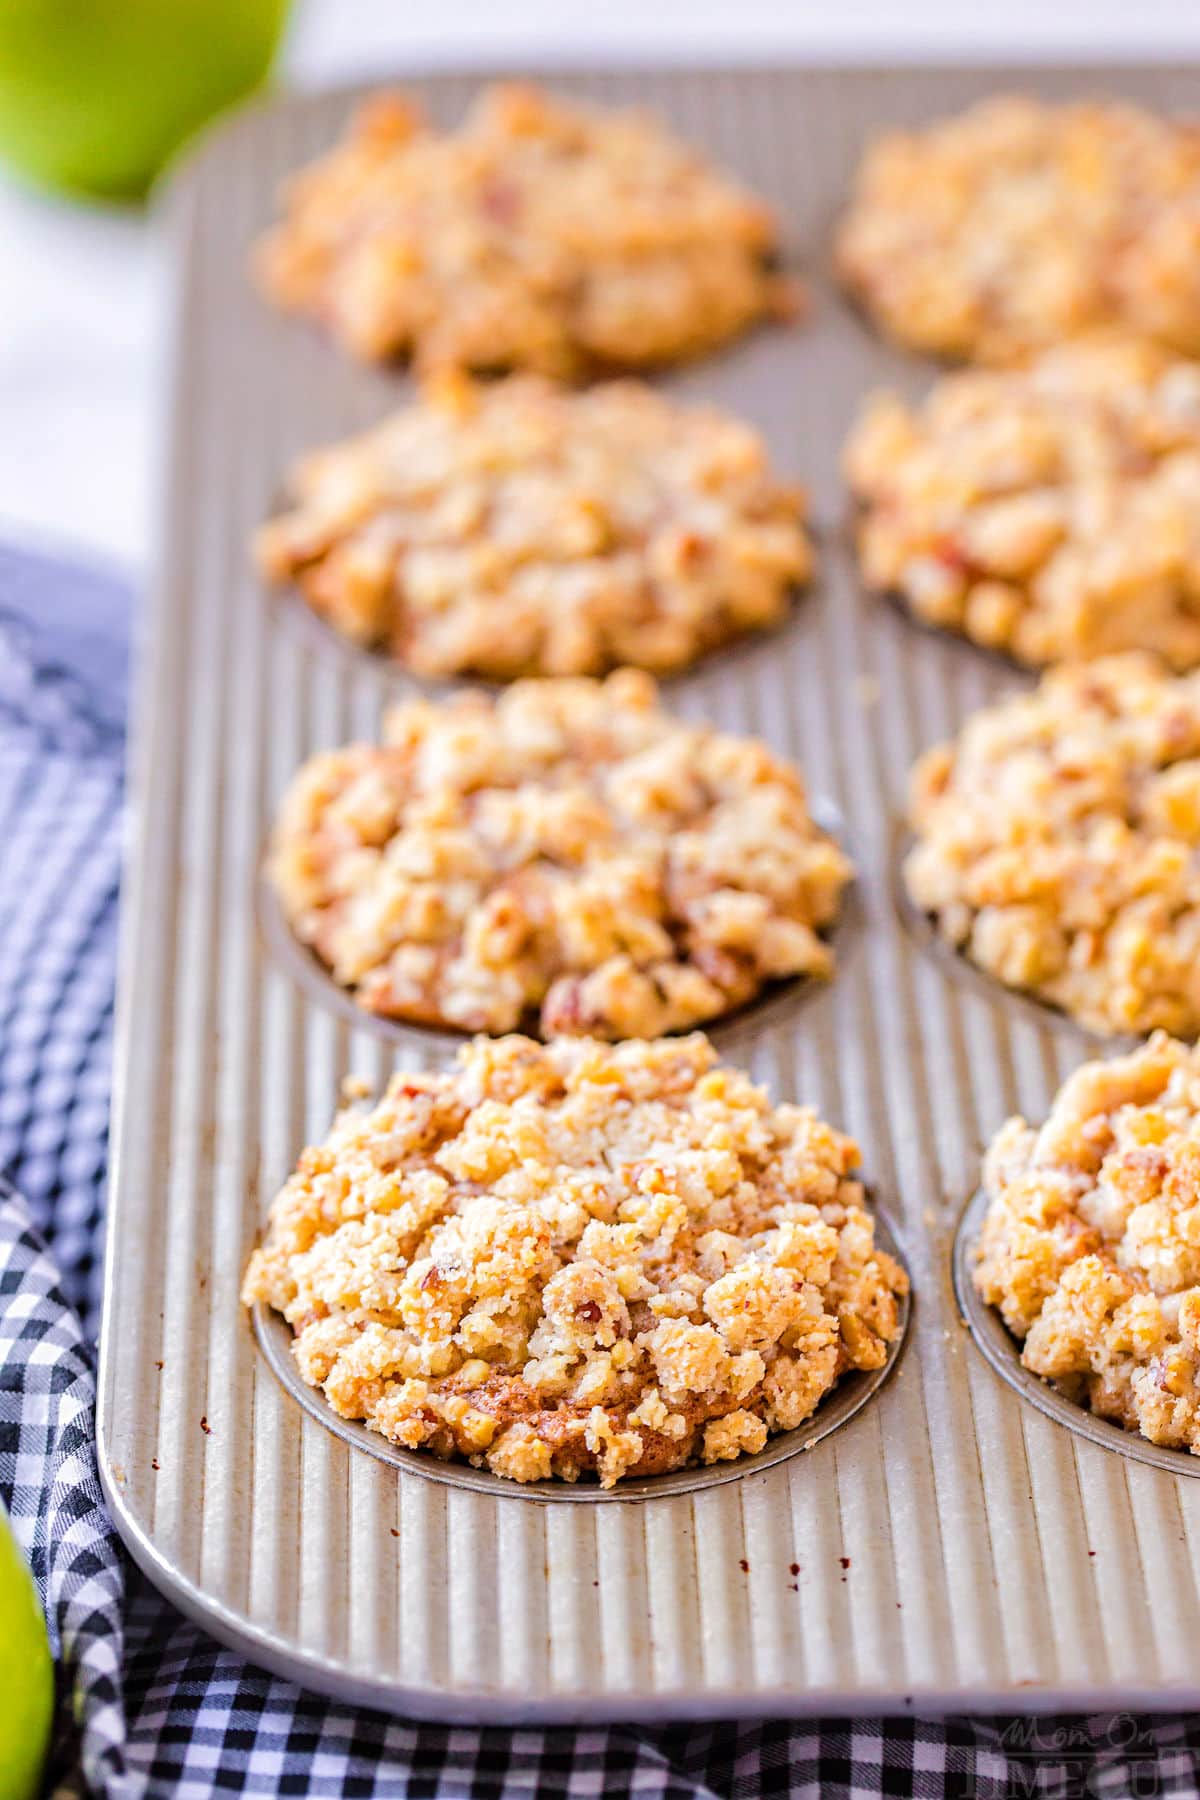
{"x": 150, "y": 1706}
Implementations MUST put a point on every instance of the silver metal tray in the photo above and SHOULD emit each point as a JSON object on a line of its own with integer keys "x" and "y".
{"x": 951, "y": 1547}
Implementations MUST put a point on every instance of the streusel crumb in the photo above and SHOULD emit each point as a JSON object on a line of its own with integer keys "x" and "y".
{"x": 1091, "y": 1242}
{"x": 1018, "y": 223}
{"x": 567, "y": 855}
{"x": 1057, "y": 843}
{"x": 540, "y": 235}
{"x": 517, "y": 527}
{"x": 1051, "y": 512}
{"x": 571, "y": 1258}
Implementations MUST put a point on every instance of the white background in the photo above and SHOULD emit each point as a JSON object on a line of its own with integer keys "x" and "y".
{"x": 81, "y": 290}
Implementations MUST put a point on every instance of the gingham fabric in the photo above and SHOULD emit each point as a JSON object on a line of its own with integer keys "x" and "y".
{"x": 150, "y": 1706}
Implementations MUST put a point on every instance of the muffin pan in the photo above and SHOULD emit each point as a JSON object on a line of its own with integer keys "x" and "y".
{"x": 950, "y": 1548}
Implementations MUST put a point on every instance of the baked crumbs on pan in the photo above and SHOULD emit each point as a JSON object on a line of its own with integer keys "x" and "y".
{"x": 566, "y": 853}
{"x": 542, "y": 234}
{"x": 1050, "y": 511}
{"x": 521, "y": 528}
{"x": 1019, "y": 223}
{"x": 1090, "y": 1245}
{"x": 1057, "y": 843}
{"x": 570, "y": 1258}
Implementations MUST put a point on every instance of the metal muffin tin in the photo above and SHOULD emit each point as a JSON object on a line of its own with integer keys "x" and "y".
{"x": 952, "y": 1547}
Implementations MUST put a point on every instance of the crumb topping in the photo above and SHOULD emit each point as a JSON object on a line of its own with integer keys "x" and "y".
{"x": 518, "y": 527}
{"x": 1051, "y": 511}
{"x": 1018, "y": 223}
{"x": 541, "y": 234}
{"x": 1091, "y": 1242}
{"x": 567, "y": 853}
{"x": 570, "y": 1258}
{"x": 1058, "y": 838}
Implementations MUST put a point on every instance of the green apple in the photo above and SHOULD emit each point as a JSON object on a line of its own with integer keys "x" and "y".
{"x": 97, "y": 95}
{"x": 26, "y": 1676}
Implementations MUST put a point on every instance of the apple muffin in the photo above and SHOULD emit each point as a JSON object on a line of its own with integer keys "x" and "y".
{"x": 1019, "y": 223}
{"x": 520, "y": 528}
{"x": 1058, "y": 843}
{"x": 572, "y": 1259}
{"x": 542, "y": 234}
{"x": 566, "y": 856}
{"x": 1090, "y": 1245}
{"x": 1050, "y": 512}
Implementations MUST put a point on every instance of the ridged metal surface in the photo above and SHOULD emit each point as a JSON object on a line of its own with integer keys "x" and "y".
{"x": 952, "y": 1545}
